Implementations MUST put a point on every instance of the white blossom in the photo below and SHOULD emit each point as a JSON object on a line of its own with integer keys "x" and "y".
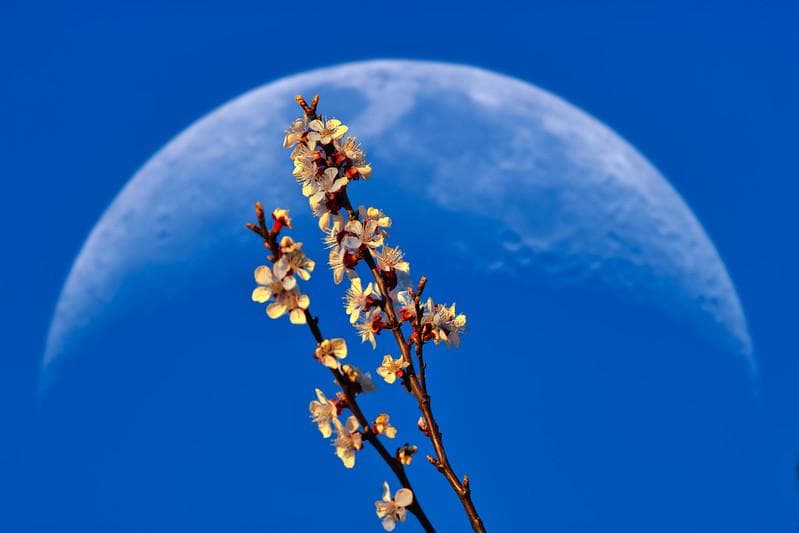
{"x": 371, "y": 323}
{"x": 325, "y": 132}
{"x": 348, "y": 440}
{"x": 391, "y": 369}
{"x": 389, "y": 510}
{"x": 383, "y": 427}
{"x": 329, "y": 351}
{"x": 323, "y": 411}
{"x": 359, "y": 234}
{"x": 389, "y": 258}
{"x": 444, "y": 323}
{"x": 357, "y": 299}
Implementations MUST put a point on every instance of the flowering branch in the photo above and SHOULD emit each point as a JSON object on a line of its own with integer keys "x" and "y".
{"x": 350, "y": 383}
{"x": 419, "y": 387}
{"x": 325, "y": 163}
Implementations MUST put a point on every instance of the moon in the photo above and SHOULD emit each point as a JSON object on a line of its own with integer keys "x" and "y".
{"x": 561, "y": 194}
{"x": 574, "y": 259}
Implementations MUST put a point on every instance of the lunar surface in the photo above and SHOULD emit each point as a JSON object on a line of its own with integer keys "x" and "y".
{"x": 551, "y": 191}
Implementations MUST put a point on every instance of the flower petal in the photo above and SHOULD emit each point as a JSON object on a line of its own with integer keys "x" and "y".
{"x": 289, "y": 282}
{"x": 263, "y": 275}
{"x": 303, "y": 302}
{"x": 297, "y": 316}
{"x": 261, "y": 294}
{"x": 339, "y": 348}
{"x": 403, "y": 497}
{"x": 276, "y": 310}
{"x": 388, "y": 523}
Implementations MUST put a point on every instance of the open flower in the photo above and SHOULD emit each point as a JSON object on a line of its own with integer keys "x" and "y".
{"x": 391, "y": 258}
{"x": 292, "y": 302}
{"x": 371, "y": 324}
{"x": 325, "y": 183}
{"x": 271, "y": 285}
{"x": 391, "y": 511}
{"x": 406, "y": 305}
{"x": 342, "y": 263}
{"x": 382, "y": 426}
{"x": 391, "y": 368}
{"x": 323, "y": 412}
{"x": 362, "y": 381}
{"x": 293, "y": 260}
{"x": 329, "y": 351}
{"x": 405, "y": 453}
{"x": 359, "y": 234}
{"x": 295, "y": 133}
{"x": 359, "y": 300}
{"x": 305, "y": 170}
{"x": 444, "y": 324}
{"x": 325, "y": 132}
{"x": 348, "y": 440}
{"x": 352, "y": 151}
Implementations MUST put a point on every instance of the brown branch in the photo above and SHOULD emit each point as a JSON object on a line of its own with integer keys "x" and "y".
{"x": 417, "y": 384}
{"x": 417, "y": 327}
{"x": 441, "y": 461}
{"x": 270, "y": 241}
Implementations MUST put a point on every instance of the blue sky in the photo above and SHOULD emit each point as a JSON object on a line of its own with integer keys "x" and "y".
{"x": 706, "y": 93}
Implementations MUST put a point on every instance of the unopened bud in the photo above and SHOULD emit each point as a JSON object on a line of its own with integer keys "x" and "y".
{"x": 422, "y": 425}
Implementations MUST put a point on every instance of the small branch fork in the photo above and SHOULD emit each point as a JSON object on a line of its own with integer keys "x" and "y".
{"x": 270, "y": 241}
{"x": 417, "y": 382}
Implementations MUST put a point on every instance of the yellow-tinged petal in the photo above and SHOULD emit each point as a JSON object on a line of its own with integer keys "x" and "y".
{"x": 403, "y": 497}
{"x": 325, "y": 430}
{"x": 297, "y": 316}
{"x": 303, "y": 302}
{"x": 365, "y": 171}
{"x": 276, "y": 310}
{"x": 263, "y": 275}
{"x": 261, "y": 294}
{"x": 316, "y": 125}
{"x": 339, "y": 347}
{"x": 348, "y": 460}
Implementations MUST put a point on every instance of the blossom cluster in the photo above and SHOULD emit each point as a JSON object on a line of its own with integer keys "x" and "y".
{"x": 349, "y": 439}
{"x": 277, "y": 283}
{"x": 324, "y": 164}
{"x": 326, "y": 161}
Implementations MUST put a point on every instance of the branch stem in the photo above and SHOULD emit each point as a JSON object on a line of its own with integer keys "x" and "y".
{"x": 419, "y": 387}
{"x": 270, "y": 241}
